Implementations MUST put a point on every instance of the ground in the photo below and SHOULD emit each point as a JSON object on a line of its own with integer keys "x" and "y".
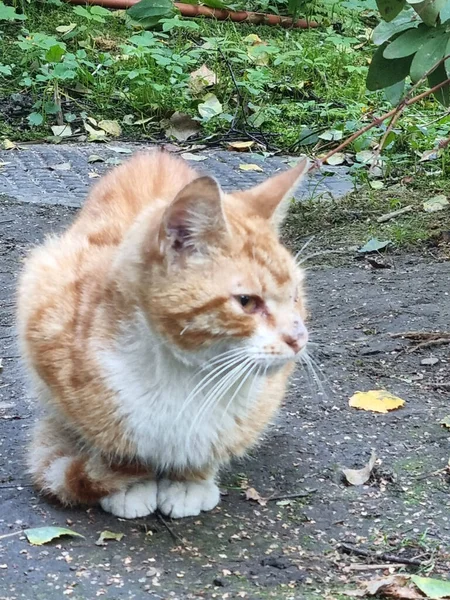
{"x": 290, "y": 547}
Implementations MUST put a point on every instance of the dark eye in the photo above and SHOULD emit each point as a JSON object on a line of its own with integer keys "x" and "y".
{"x": 249, "y": 303}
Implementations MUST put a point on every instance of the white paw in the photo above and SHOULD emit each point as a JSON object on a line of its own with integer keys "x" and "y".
{"x": 139, "y": 500}
{"x": 179, "y": 499}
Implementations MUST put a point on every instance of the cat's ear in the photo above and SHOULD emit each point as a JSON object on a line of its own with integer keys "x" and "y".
{"x": 195, "y": 221}
{"x": 271, "y": 198}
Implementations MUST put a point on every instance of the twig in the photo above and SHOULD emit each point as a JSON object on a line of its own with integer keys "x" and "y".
{"x": 432, "y": 474}
{"x": 348, "y": 549}
{"x": 421, "y": 335}
{"x": 358, "y": 567}
{"x": 290, "y": 496}
{"x": 377, "y": 121}
{"x": 173, "y": 534}
{"x": 441, "y": 386}
{"x": 438, "y": 342}
{"x": 394, "y": 213}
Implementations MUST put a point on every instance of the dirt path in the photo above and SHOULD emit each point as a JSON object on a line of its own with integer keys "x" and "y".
{"x": 288, "y": 548}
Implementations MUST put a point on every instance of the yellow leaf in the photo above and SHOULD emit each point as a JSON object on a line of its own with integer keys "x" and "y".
{"x": 8, "y": 145}
{"x": 111, "y": 127}
{"x": 379, "y": 401}
{"x": 240, "y": 145}
{"x": 251, "y": 167}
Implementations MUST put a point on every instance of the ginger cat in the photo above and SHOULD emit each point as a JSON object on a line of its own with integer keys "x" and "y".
{"x": 159, "y": 332}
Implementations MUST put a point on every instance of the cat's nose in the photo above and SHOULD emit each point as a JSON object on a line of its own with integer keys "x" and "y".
{"x": 297, "y": 337}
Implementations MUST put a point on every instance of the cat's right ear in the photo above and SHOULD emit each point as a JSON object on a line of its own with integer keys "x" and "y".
{"x": 195, "y": 221}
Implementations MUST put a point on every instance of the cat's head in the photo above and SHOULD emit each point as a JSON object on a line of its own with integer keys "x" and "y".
{"x": 221, "y": 281}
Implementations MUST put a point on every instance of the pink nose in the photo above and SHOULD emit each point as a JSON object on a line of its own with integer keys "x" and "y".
{"x": 297, "y": 338}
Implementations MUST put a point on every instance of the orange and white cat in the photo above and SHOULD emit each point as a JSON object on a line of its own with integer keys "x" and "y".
{"x": 159, "y": 331}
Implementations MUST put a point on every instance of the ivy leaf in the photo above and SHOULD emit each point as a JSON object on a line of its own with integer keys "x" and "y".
{"x": 384, "y": 73}
{"x": 428, "y": 55}
{"x": 55, "y": 53}
{"x": 374, "y": 245}
{"x": 394, "y": 93}
{"x": 35, "y": 119}
{"x": 8, "y": 13}
{"x": 210, "y": 107}
{"x": 389, "y": 9}
{"x": 384, "y": 31}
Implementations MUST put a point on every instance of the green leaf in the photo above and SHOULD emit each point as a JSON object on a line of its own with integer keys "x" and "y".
{"x": 445, "y": 13}
{"x": 82, "y": 12}
{"x": 100, "y": 11}
{"x": 447, "y": 62}
{"x": 429, "y": 10}
{"x": 8, "y": 13}
{"x": 394, "y": 93}
{"x": 210, "y": 107}
{"x": 150, "y": 9}
{"x": 434, "y": 78}
{"x": 428, "y": 55}
{"x": 384, "y": 31}
{"x": 55, "y": 53}
{"x": 384, "y": 73}
{"x": 432, "y": 588}
{"x": 408, "y": 42}
{"x": 35, "y": 119}
{"x": 374, "y": 245}
{"x": 42, "y": 535}
{"x": 214, "y": 4}
{"x": 5, "y": 69}
{"x": 389, "y": 9}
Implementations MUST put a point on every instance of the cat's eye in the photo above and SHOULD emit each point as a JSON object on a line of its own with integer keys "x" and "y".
{"x": 249, "y": 303}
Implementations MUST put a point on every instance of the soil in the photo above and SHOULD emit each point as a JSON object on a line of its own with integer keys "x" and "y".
{"x": 289, "y": 547}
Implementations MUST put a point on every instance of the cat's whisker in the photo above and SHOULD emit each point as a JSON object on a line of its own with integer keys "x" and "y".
{"x": 236, "y": 392}
{"x": 310, "y": 368}
{"x": 305, "y": 245}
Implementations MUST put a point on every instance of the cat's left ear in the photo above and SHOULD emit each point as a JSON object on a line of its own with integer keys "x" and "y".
{"x": 271, "y": 198}
{"x": 195, "y": 221}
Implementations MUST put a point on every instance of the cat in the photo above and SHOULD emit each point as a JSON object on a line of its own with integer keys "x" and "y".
{"x": 159, "y": 332}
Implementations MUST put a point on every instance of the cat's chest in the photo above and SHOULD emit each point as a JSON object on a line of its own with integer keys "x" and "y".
{"x": 174, "y": 417}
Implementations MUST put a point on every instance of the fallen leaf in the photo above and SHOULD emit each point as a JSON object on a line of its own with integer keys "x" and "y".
{"x": 210, "y": 107}
{"x": 360, "y": 476}
{"x": 61, "y": 167}
{"x": 201, "y": 79}
{"x": 376, "y": 185}
{"x": 95, "y": 135}
{"x": 432, "y": 588}
{"x": 436, "y": 203}
{"x": 194, "y": 157}
{"x": 182, "y": 127}
{"x": 241, "y": 146}
{"x": 379, "y": 401}
{"x": 446, "y": 421}
{"x": 430, "y": 155}
{"x": 394, "y": 586}
{"x": 336, "y": 159}
{"x": 430, "y": 361}
{"x": 143, "y": 121}
{"x": 8, "y": 145}
{"x": 252, "y": 494}
{"x": 374, "y": 245}
{"x": 93, "y": 175}
{"x": 365, "y": 156}
{"x": 114, "y": 160}
{"x": 108, "y": 535}
{"x": 120, "y": 150}
{"x": 95, "y": 158}
{"x": 250, "y": 167}
{"x": 61, "y": 130}
{"x": 42, "y": 535}
{"x": 111, "y": 127}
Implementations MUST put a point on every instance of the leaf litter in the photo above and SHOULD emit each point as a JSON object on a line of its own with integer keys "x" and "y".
{"x": 404, "y": 587}
{"x": 380, "y": 401}
{"x": 108, "y": 535}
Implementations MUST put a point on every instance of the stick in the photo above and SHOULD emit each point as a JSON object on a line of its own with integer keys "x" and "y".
{"x": 394, "y": 213}
{"x": 348, "y": 549}
{"x": 421, "y": 335}
{"x": 173, "y": 534}
{"x": 289, "y": 496}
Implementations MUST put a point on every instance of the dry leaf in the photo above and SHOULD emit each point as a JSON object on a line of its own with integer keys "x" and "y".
{"x": 61, "y": 130}
{"x": 111, "y": 127}
{"x": 201, "y": 79}
{"x": 95, "y": 135}
{"x": 108, "y": 535}
{"x": 360, "y": 476}
{"x": 182, "y": 127}
{"x": 42, "y": 535}
{"x": 120, "y": 150}
{"x": 379, "y": 401}
{"x": 194, "y": 157}
{"x": 250, "y": 167}
{"x": 93, "y": 175}
{"x": 94, "y": 158}
{"x": 65, "y": 166}
{"x": 336, "y": 159}
{"x": 436, "y": 203}
{"x": 8, "y": 145}
{"x": 252, "y": 494}
{"x": 430, "y": 361}
{"x": 240, "y": 146}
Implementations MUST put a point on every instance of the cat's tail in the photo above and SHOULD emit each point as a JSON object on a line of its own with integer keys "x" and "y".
{"x": 60, "y": 470}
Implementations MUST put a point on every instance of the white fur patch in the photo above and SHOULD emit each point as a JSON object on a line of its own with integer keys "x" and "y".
{"x": 55, "y": 475}
{"x": 179, "y": 499}
{"x": 152, "y": 387}
{"x": 139, "y": 500}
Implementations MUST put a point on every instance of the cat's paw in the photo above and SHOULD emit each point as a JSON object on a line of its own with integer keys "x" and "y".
{"x": 139, "y": 500}
{"x": 179, "y": 499}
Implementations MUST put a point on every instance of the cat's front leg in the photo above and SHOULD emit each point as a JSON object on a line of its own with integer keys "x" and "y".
{"x": 187, "y": 498}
